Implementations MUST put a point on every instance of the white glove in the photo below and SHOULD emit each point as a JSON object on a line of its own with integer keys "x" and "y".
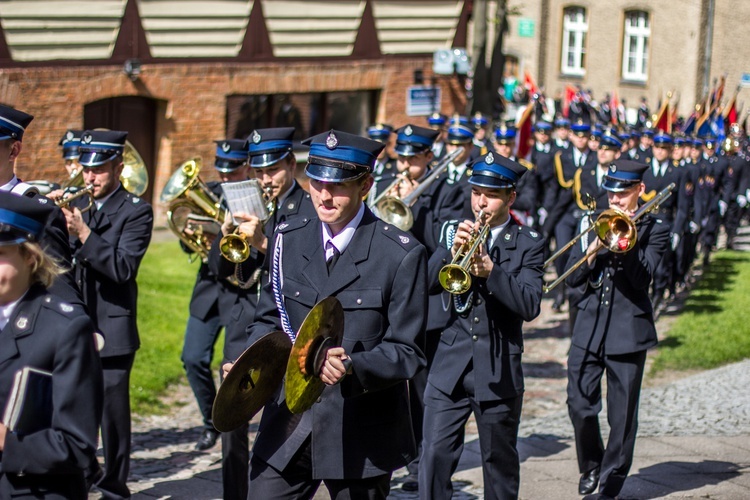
{"x": 742, "y": 201}
{"x": 722, "y": 207}
{"x": 675, "y": 241}
{"x": 694, "y": 228}
{"x": 542, "y": 212}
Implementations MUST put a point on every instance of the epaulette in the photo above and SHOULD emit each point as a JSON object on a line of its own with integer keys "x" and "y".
{"x": 292, "y": 224}
{"x": 529, "y": 233}
{"x": 526, "y": 163}
{"x": 135, "y": 200}
{"x": 56, "y": 304}
{"x": 404, "y": 239}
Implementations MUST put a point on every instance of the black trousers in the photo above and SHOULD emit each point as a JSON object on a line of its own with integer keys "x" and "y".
{"x": 624, "y": 376}
{"x": 296, "y": 481}
{"x": 116, "y": 426}
{"x": 197, "y": 352}
{"x": 445, "y": 419}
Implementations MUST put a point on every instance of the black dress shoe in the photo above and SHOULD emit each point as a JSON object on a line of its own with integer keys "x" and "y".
{"x": 589, "y": 481}
{"x": 207, "y": 440}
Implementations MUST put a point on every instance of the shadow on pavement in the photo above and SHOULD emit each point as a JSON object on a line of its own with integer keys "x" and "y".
{"x": 540, "y": 446}
{"x": 666, "y": 478}
{"x": 203, "y": 486}
{"x": 546, "y": 369}
{"x": 156, "y": 438}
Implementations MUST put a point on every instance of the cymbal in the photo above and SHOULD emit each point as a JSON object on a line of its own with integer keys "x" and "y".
{"x": 322, "y": 329}
{"x": 251, "y": 382}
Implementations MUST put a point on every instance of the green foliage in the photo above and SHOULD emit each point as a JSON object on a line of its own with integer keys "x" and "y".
{"x": 165, "y": 283}
{"x": 712, "y": 328}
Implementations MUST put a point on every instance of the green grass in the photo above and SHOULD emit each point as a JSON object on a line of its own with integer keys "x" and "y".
{"x": 713, "y": 328}
{"x": 165, "y": 283}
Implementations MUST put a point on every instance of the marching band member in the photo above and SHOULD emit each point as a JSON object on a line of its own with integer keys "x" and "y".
{"x": 40, "y": 330}
{"x": 477, "y": 366}
{"x": 613, "y": 329}
{"x": 108, "y": 242}
{"x": 272, "y": 163}
{"x": 359, "y": 432}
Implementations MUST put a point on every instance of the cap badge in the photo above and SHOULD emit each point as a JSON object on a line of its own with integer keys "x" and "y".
{"x": 613, "y": 168}
{"x": 489, "y": 159}
{"x": 332, "y": 141}
{"x": 256, "y": 137}
{"x": 225, "y": 146}
{"x": 69, "y": 136}
{"x": 408, "y": 130}
{"x": 86, "y": 138}
{"x": 22, "y": 323}
{"x": 404, "y": 239}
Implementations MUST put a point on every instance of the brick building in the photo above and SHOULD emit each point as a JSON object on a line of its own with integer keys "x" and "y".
{"x": 178, "y": 75}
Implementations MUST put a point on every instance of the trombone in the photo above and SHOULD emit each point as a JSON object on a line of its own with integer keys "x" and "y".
{"x": 396, "y": 211}
{"x": 455, "y": 277}
{"x": 87, "y": 191}
{"x": 615, "y": 230}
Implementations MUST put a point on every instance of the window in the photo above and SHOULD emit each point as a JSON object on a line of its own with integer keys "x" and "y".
{"x": 635, "y": 46}
{"x": 309, "y": 114}
{"x": 574, "y": 41}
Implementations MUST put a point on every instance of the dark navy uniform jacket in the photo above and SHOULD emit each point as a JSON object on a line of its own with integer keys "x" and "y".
{"x": 107, "y": 265}
{"x": 586, "y": 190}
{"x": 245, "y": 299}
{"x": 565, "y": 171}
{"x": 615, "y": 314}
{"x": 46, "y": 333}
{"x": 667, "y": 209}
{"x": 543, "y": 157}
{"x": 489, "y": 333}
{"x": 361, "y": 427}
{"x": 642, "y": 155}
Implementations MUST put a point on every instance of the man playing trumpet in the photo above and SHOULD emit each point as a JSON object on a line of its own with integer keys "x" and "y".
{"x": 477, "y": 366}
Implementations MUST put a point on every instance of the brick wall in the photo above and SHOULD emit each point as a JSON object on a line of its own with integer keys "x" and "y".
{"x": 192, "y": 102}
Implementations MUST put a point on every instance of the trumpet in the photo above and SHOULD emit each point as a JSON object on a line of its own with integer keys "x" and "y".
{"x": 455, "y": 277}
{"x": 615, "y": 230}
{"x": 234, "y": 246}
{"x": 396, "y": 211}
{"x": 87, "y": 191}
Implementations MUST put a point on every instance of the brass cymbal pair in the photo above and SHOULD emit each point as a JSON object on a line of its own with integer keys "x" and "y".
{"x": 258, "y": 372}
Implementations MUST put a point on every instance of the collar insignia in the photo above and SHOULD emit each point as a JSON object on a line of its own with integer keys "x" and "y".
{"x": 507, "y": 236}
{"x": 256, "y": 137}
{"x": 283, "y": 225}
{"x": 290, "y": 206}
{"x": 332, "y": 141}
{"x": 66, "y": 308}
{"x": 22, "y": 323}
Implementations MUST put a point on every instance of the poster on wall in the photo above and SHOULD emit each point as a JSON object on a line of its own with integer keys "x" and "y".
{"x": 422, "y": 100}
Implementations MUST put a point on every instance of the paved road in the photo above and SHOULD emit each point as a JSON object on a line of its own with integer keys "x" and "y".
{"x": 694, "y": 435}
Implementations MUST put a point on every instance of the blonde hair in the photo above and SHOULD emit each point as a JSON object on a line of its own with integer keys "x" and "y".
{"x": 44, "y": 267}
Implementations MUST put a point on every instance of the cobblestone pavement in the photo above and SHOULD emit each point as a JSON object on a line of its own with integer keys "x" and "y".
{"x": 711, "y": 403}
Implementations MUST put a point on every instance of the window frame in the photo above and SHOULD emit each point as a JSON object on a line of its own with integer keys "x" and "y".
{"x": 641, "y": 34}
{"x": 579, "y": 28}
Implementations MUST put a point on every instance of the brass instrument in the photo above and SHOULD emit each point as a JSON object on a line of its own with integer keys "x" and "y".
{"x": 396, "y": 211}
{"x": 455, "y": 277}
{"x": 189, "y": 197}
{"x": 234, "y": 246}
{"x": 615, "y": 230}
{"x": 87, "y": 191}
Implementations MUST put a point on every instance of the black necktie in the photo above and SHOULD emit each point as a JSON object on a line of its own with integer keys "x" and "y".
{"x": 334, "y": 258}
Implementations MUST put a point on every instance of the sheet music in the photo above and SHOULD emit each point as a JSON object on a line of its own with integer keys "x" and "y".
{"x": 245, "y": 196}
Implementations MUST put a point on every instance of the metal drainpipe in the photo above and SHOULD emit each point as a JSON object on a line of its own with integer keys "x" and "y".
{"x": 709, "y": 46}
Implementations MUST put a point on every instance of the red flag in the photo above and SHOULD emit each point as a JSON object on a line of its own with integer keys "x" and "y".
{"x": 570, "y": 94}
{"x": 662, "y": 121}
{"x": 614, "y": 108}
{"x": 523, "y": 131}
{"x": 731, "y": 114}
{"x": 529, "y": 83}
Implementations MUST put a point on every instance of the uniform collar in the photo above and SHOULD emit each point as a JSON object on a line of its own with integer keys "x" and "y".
{"x": 101, "y": 201}
{"x": 6, "y": 188}
{"x": 342, "y": 240}
{"x": 6, "y": 311}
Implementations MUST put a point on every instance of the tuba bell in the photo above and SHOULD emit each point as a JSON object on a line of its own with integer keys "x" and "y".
{"x": 134, "y": 176}
{"x": 193, "y": 206}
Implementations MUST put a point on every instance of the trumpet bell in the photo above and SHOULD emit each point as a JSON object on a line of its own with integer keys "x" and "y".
{"x": 234, "y": 248}
{"x": 395, "y": 212}
{"x": 616, "y": 230}
{"x": 454, "y": 279}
